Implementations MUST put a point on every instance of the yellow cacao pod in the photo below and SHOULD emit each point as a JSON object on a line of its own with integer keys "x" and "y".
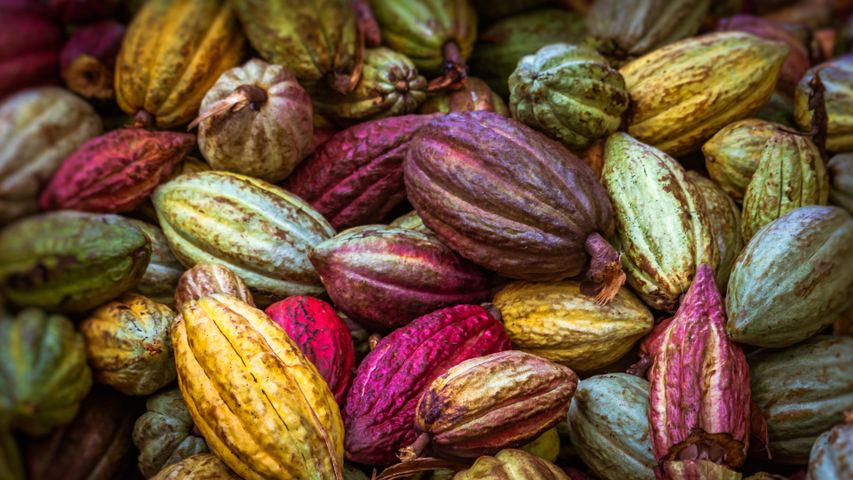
{"x": 202, "y": 466}
{"x": 511, "y": 464}
{"x": 260, "y": 404}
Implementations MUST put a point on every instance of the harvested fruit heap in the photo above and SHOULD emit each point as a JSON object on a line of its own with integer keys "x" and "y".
{"x": 426, "y": 239}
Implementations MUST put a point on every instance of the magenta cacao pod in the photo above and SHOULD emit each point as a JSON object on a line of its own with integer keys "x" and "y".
{"x": 356, "y": 177}
{"x": 699, "y": 403}
{"x": 88, "y": 59}
{"x": 29, "y": 49}
{"x": 380, "y": 409}
{"x": 401, "y": 274}
{"x": 322, "y": 337}
{"x": 512, "y": 200}
{"x": 115, "y": 172}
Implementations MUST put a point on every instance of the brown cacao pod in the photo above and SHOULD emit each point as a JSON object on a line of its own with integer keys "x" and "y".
{"x": 88, "y": 59}
{"x": 206, "y": 279}
{"x": 475, "y": 95}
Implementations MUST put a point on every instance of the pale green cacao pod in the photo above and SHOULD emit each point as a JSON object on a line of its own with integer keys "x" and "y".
{"x": 725, "y": 225}
{"x": 164, "y": 270}
{"x": 831, "y": 457}
{"x": 733, "y": 154}
{"x": 841, "y": 180}
{"x": 836, "y": 78}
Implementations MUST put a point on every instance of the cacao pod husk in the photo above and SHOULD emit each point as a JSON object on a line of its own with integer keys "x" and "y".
{"x": 410, "y": 221}
{"x": 206, "y": 279}
{"x": 88, "y": 59}
{"x": 545, "y": 446}
{"x": 164, "y": 270}
{"x": 512, "y": 464}
{"x": 697, "y": 469}
{"x": 841, "y": 180}
{"x": 732, "y": 155}
{"x": 831, "y": 455}
{"x": 202, "y": 466}
{"x": 29, "y": 48}
{"x": 823, "y": 102}
{"x": 474, "y": 96}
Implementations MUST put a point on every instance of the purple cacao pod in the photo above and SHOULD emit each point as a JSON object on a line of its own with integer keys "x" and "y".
{"x": 29, "y": 48}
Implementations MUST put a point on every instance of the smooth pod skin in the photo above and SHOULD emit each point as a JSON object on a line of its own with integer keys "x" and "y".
{"x": 258, "y": 230}
{"x": 512, "y": 464}
{"x": 164, "y": 270}
{"x": 475, "y": 95}
{"x": 802, "y": 391}
{"x": 202, "y": 466}
{"x": 555, "y": 320}
{"x": 831, "y": 456}
{"x": 836, "y": 102}
{"x": 683, "y": 93}
{"x": 261, "y": 405}
{"x": 208, "y": 278}
{"x": 792, "y": 279}
{"x": 39, "y": 128}
{"x": 609, "y": 426}
{"x": 662, "y": 227}
{"x": 840, "y": 169}
{"x": 568, "y": 92}
{"x": 724, "y": 215}
{"x": 401, "y": 274}
{"x": 545, "y": 446}
{"x": 732, "y": 155}
{"x": 380, "y": 407}
{"x": 172, "y": 53}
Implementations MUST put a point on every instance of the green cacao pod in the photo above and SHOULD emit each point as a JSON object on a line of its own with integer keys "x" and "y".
{"x": 410, "y": 221}
{"x": 203, "y": 466}
{"x": 663, "y": 229}
{"x": 841, "y": 180}
{"x": 609, "y": 426}
{"x": 164, "y": 270}
{"x": 829, "y": 86}
{"x": 390, "y": 85}
{"x": 792, "y": 279}
{"x": 790, "y": 174}
{"x": 165, "y": 433}
{"x": 802, "y": 391}
{"x": 831, "y": 456}
{"x": 501, "y": 45}
{"x": 258, "y": 230}
{"x": 71, "y": 261}
{"x": 570, "y": 93}
{"x": 11, "y": 467}
{"x": 779, "y": 109}
{"x": 545, "y": 446}
{"x": 128, "y": 345}
{"x": 512, "y": 464}
{"x": 43, "y": 372}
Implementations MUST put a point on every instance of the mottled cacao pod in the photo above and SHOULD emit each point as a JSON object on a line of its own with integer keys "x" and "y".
{"x": 831, "y": 456}
{"x": 568, "y": 92}
{"x": 555, "y": 320}
{"x": 261, "y": 405}
{"x": 474, "y": 95}
{"x": 30, "y": 40}
{"x": 43, "y": 372}
{"x": 841, "y": 180}
{"x": 702, "y": 93}
{"x": 402, "y": 274}
{"x": 732, "y": 155}
{"x": 116, "y": 171}
{"x": 828, "y": 87}
{"x": 256, "y": 229}
{"x": 206, "y": 279}
{"x": 172, "y": 53}
{"x": 88, "y": 59}
{"x": 802, "y": 391}
{"x": 202, "y": 466}
{"x": 164, "y": 270}
{"x": 380, "y": 407}
{"x": 165, "y": 433}
{"x": 356, "y": 177}
{"x": 793, "y": 278}
{"x": 511, "y": 464}
{"x": 38, "y": 129}
{"x": 663, "y": 228}
{"x": 71, "y": 261}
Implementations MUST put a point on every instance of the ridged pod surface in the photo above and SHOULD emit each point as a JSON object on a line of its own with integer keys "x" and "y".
{"x": 380, "y": 408}
{"x": 802, "y": 391}
{"x": 733, "y": 154}
{"x": 555, "y": 320}
{"x": 663, "y": 230}
{"x": 172, "y": 53}
{"x": 202, "y": 466}
{"x": 684, "y": 93}
{"x": 261, "y": 405}
{"x": 474, "y": 95}
{"x": 356, "y": 177}
{"x": 384, "y": 277}
{"x": 497, "y": 401}
{"x": 206, "y": 279}
{"x": 71, "y": 261}
{"x": 164, "y": 270}
{"x": 258, "y": 230}
{"x": 831, "y": 456}
{"x": 512, "y": 464}
{"x": 724, "y": 215}
{"x": 793, "y": 278}
{"x": 609, "y": 426}
{"x": 570, "y": 93}
{"x": 841, "y": 181}
{"x": 829, "y": 87}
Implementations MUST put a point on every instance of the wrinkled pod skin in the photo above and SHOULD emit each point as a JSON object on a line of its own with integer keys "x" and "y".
{"x": 208, "y": 278}
{"x": 512, "y": 464}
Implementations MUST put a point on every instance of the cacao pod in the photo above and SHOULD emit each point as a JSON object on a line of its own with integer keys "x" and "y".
{"x": 356, "y": 177}
{"x": 702, "y": 94}
{"x": 71, "y": 261}
{"x": 115, "y": 172}
{"x": 841, "y": 181}
{"x": 555, "y": 320}
{"x": 475, "y": 95}
{"x": 485, "y": 404}
{"x": 568, "y": 92}
{"x": 80, "y": 11}
{"x": 256, "y": 229}
{"x": 831, "y": 455}
{"x": 824, "y": 99}
{"x": 732, "y": 155}
{"x": 793, "y": 278}
{"x": 488, "y": 10}
{"x": 38, "y": 129}
{"x": 261, "y": 405}
{"x": 202, "y": 466}
{"x": 511, "y": 464}
{"x": 164, "y": 270}
{"x": 321, "y": 336}
{"x": 697, "y": 469}
{"x": 779, "y": 109}
{"x": 509, "y": 199}
{"x": 128, "y": 345}
{"x": 790, "y": 174}
{"x": 402, "y": 274}
{"x": 165, "y": 433}
{"x": 316, "y": 40}
{"x": 88, "y": 59}
{"x": 30, "y": 40}
{"x": 410, "y": 221}
{"x": 545, "y": 446}
{"x": 172, "y": 53}
{"x": 206, "y": 279}
{"x": 663, "y": 229}
{"x": 803, "y": 391}
{"x": 43, "y": 372}
{"x": 609, "y": 426}
{"x": 380, "y": 407}
{"x": 270, "y": 137}
{"x": 10, "y": 458}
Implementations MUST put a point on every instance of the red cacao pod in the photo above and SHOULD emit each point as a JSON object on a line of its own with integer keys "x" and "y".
{"x": 322, "y": 337}
{"x": 380, "y": 409}
{"x": 512, "y": 200}
{"x": 29, "y": 49}
{"x": 402, "y": 274}
{"x": 356, "y": 177}
{"x": 78, "y": 11}
{"x": 116, "y": 171}
{"x": 88, "y": 59}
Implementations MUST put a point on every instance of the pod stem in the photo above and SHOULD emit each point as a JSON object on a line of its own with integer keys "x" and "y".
{"x": 455, "y": 70}
{"x": 242, "y": 97}
{"x": 605, "y": 276}
{"x": 414, "y": 450}
{"x": 373, "y": 341}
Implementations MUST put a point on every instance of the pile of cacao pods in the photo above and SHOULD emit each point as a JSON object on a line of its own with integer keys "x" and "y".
{"x": 426, "y": 239}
